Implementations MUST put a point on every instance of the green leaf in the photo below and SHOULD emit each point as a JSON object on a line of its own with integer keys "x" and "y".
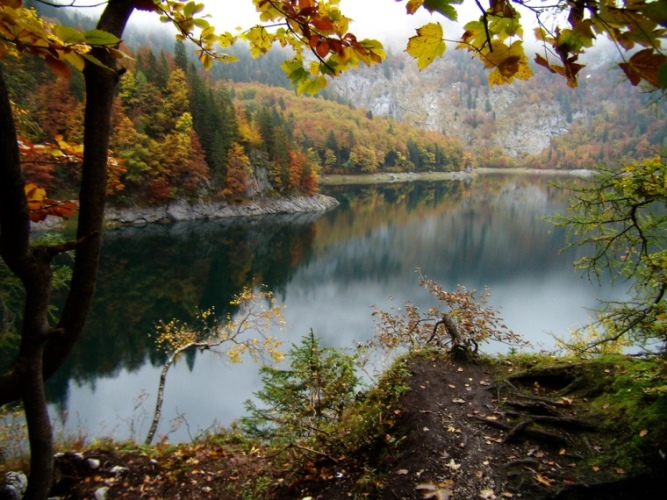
{"x": 662, "y": 76}
{"x": 312, "y": 85}
{"x": 189, "y": 9}
{"x": 444, "y": 7}
{"x": 69, "y": 35}
{"x": 657, "y": 11}
{"x": 99, "y": 37}
{"x": 427, "y": 44}
{"x": 201, "y": 23}
{"x": 295, "y": 71}
{"x": 95, "y": 60}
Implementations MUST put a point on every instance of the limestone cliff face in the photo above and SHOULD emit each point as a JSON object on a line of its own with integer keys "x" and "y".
{"x": 452, "y": 96}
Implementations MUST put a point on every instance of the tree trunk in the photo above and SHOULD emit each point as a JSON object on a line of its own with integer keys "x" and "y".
{"x": 43, "y": 350}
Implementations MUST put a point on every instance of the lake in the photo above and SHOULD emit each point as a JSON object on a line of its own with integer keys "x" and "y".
{"x": 329, "y": 270}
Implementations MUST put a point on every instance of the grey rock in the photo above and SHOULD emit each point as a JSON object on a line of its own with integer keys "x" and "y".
{"x": 101, "y": 493}
{"x": 16, "y": 484}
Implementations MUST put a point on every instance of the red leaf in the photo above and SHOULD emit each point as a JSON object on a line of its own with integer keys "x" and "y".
{"x": 145, "y": 5}
{"x": 58, "y": 67}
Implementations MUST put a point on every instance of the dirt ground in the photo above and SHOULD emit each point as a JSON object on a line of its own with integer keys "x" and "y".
{"x": 457, "y": 433}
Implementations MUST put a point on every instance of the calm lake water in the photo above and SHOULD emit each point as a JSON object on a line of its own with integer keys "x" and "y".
{"x": 329, "y": 270}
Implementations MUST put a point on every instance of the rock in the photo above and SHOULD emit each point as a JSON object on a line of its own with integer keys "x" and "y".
{"x": 93, "y": 463}
{"x": 101, "y": 493}
{"x": 184, "y": 211}
{"x": 15, "y": 485}
{"x": 181, "y": 211}
{"x": 119, "y": 470}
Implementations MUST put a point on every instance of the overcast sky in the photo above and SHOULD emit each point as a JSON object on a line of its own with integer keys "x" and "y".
{"x": 371, "y": 18}
{"x": 385, "y": 20}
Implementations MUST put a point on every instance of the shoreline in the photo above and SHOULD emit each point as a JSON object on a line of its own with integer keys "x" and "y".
{"x": 383, "y": 177}
{"x": 182, "y": 210}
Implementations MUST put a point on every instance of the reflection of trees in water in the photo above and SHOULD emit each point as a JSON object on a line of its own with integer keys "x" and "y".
{"x": 378, "y": 233}
{"x": 164, "y": 272}
{"x": 486, "y": 233}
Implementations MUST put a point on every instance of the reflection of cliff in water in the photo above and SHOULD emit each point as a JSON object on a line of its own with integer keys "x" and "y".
{"x": 482, "y": 234}
{"x": 165, "y": 271}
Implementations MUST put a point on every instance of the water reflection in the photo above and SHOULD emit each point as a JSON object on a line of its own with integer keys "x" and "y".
{"x": 329, "y": 271}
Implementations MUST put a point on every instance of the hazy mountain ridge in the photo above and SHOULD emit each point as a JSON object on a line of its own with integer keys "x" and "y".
{"x": 452, "y": 96}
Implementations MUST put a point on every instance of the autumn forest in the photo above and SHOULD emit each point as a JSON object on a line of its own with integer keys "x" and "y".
{"x": 180, "y": 132}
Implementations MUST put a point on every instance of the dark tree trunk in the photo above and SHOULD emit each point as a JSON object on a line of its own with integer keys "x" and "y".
{"x": 42, "y": 349}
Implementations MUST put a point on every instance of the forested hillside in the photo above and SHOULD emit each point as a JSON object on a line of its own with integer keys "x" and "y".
{"x": 239, "y": 130}
{"x": 179, "y": 132}
{"x": 537, "y": 123}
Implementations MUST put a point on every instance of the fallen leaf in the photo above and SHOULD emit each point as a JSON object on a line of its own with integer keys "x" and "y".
{"x": 643, "y": 432}
{"x": 458, "y": 400}
{"x": 402, "y": 471}
{"x": 453, "y": 465}
{"x": 459, "y": 369}
{"x": 487, "y": 494}
{"x": 562, "y": 451}
{"x": 437, "y": 491}
{"x": 619, "y": 470}
{"x": 596, "y": 468}
{"x": 484, "y": 382}
{"x": 542, "y": 480}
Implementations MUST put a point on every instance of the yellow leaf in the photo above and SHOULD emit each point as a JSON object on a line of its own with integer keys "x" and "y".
{"x": 34, "y": 193}
{"x": 427, "y": 44}
{"x": 643, "y": 432}
{"x": 75, "y": 60}
{"x": 542, "y": 480}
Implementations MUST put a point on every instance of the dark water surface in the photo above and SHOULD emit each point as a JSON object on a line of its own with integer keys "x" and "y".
{"x": 328, "y": 270}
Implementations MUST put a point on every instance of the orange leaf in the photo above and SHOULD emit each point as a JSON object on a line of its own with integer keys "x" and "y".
{"x": 509, "y": 66}
{"x": 322, "y": 49}
{"x": 644, "y": 64}
{"x": 643, "y": 433}
{"x": 322, "y": 24}
{"x": 58, "y": 67}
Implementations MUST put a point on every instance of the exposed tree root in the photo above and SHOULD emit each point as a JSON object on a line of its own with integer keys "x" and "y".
{"x": 521, "y": 431}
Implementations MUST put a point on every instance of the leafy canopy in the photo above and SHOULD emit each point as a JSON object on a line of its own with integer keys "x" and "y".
{"x": 317, "y": 32}
{"x": 496, "y": 38}
{"x": 620, "y": 217}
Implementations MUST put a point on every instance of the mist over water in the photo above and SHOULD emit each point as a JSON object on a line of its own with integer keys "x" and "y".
{"x": 329, "y": 270}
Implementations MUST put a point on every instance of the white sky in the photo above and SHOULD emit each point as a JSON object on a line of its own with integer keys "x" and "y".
{"x": 372, "y": 18}
{"x": 385, "y": 20}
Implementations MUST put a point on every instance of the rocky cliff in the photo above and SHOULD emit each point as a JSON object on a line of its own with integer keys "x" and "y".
{"x": 452, "y": 96}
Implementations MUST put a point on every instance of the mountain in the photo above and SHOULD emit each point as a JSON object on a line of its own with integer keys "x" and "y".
{"x": 525, "y": 120}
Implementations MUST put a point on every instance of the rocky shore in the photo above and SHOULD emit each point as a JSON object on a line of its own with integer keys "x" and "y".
{"x": 181, "y": 211}
{"x": 203, "y": 210}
